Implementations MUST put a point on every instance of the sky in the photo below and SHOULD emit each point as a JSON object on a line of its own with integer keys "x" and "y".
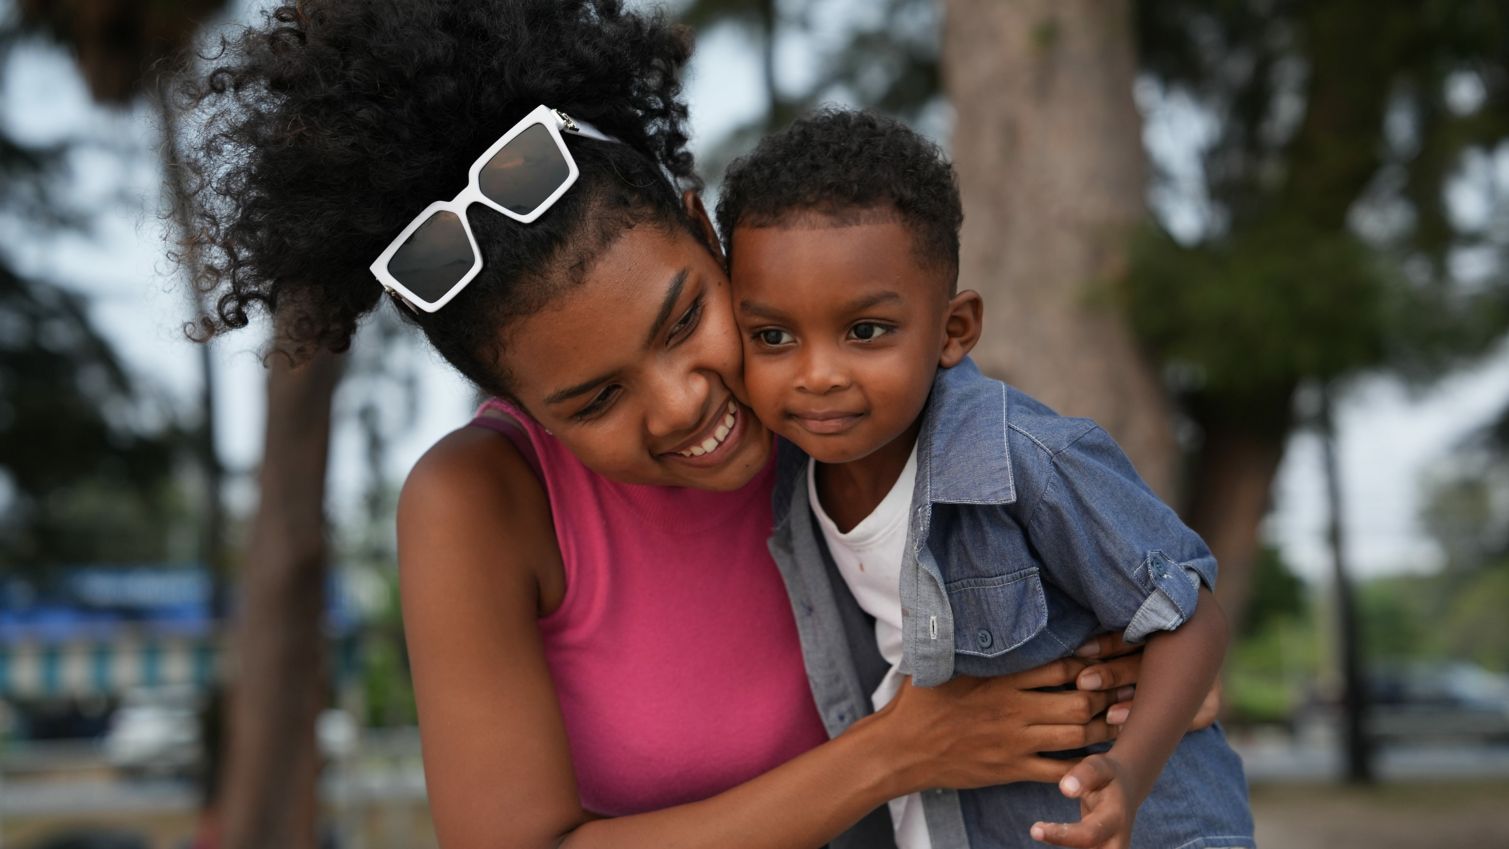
{"x": 1391, "y": 438}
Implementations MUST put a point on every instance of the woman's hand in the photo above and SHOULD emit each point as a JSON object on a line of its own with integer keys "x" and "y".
{"x": 975, "y": 732}
{"x": 1115, "y": 669}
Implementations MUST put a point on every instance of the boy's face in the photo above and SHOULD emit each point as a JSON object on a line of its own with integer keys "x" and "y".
{"x": 843, "y": 331}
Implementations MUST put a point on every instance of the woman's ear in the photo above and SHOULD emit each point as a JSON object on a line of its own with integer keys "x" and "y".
{"x": 961, "y": 327}
{"x": 693, "y": 203}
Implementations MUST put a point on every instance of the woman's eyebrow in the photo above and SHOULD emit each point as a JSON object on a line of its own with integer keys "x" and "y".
{"x": 672, "y": 295}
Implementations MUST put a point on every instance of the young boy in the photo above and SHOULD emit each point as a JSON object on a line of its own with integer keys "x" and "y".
{"x": 984, "y": 533}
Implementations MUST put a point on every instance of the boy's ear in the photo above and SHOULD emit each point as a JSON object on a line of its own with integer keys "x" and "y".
{"x": 961, "y": 327}
{"x": 693, "y": 203}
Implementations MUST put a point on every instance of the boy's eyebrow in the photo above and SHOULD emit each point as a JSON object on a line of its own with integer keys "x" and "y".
{"x": 672, "y": 294}
{"x": 860, "y": 304}
{"x": 759, "y": 310}
{"x": 873, "y": 299}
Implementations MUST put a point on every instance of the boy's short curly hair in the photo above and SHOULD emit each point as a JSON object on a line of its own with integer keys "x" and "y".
{"x": 848, "y": 166}
{"x": 316, "y": 134}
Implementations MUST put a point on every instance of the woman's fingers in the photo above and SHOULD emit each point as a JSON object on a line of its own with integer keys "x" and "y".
{"x": 1102, "y": 646}
{"x": 1210, "y": 709}
{"x": 1055, "y": 674}
{"x": 1058, "y": 738}
{"x": 1065, "y": 707}
{"x": 1116, "y": 672}
{"x": 1046, "y": 770}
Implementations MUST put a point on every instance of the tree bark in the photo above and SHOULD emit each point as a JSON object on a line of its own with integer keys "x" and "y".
{"x": 272, "y": 761}
{"x": 1048, "y": 148}
{"x": 1230, "y": 483}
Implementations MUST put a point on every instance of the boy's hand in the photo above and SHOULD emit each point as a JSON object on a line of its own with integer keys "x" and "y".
{"x": 1107, "y": 807}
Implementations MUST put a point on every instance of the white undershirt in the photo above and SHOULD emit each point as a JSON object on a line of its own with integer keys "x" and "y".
{"x": 869, "y": 559}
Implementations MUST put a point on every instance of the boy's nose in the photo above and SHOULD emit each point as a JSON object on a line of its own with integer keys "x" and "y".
{"x": 821, "y": 373}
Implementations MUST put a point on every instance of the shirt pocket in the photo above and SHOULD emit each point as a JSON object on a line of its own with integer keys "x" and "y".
{"x": 995, "y": 614}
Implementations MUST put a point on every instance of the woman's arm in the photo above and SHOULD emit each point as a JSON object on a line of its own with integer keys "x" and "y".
{"x": 478, "y": 565}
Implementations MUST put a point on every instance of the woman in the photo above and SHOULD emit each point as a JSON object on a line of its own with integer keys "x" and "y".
{"x": 602, "y": 651}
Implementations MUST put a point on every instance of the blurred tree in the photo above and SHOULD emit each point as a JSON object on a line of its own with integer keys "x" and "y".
{"x": 268, "y": 798}
{"x": 87, "y": 453}
{"x": 1048, "y": 149}
{"x": 1323, "y": 242}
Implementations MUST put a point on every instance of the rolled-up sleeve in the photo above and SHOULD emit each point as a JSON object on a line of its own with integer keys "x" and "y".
{"x": 1112, "y": 545}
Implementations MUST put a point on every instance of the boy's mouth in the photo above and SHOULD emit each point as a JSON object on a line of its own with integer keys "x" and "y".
{"x": 825, "y": 422}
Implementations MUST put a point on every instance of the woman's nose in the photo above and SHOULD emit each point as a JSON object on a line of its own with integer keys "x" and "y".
{"x": 677, "y": 405}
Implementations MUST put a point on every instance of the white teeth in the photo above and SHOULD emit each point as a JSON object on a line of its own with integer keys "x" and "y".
{"x": 719, "y": 434}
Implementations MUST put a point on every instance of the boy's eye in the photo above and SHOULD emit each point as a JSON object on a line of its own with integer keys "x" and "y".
{"x": 865, "y": 331}
{"x": 773, "y": 338}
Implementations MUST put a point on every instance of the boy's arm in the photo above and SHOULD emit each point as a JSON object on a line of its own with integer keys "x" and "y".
{"x": 1178, "y": 668}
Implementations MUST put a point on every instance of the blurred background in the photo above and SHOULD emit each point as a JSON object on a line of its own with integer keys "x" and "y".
{"x": 1262, "y": 241}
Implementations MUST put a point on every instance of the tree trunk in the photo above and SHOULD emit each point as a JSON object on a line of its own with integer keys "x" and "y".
{"x": 279, "y": 683}
{"x": 1230, "y": 482}
{"x": 1048, "y": 147}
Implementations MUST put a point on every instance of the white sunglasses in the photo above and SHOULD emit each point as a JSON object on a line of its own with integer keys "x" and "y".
{"x": 521, "y": 175}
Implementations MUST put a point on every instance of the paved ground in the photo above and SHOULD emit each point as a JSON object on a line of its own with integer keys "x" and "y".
{"x": 1469, "y": 815}
{"x": 1473, "y": 815}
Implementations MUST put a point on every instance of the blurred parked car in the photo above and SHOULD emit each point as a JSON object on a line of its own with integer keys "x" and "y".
{"x": 155, "y": 731}
{"x": 159, "y": 732}
{"x": 1422, "y": 702}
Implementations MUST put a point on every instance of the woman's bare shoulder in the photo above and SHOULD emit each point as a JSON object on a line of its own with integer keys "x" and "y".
{"x": 472, "y": 501}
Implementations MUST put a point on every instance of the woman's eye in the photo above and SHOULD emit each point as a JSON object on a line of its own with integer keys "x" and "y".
{"x": 688, "y": 320}
{"x": 868, "y": 330}
{"x": 597, "y": 405}
{"x": 773, "y": 338}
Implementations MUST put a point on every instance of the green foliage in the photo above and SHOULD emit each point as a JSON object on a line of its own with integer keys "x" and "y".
{"x": 1475, "y": 625}
{"x": 1326, "y": 242}
{"x": 1276, "y": 593}
{"x": 1399, "y": 615}
{"x": 1253, "y": 315}
{"x": 1269, "y": 669}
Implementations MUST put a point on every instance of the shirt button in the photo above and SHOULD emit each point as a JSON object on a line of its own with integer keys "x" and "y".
{"x": 984, "y": 638}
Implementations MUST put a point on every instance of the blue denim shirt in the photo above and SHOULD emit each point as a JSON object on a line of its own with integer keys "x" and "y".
{"x": 1029, "y": 532}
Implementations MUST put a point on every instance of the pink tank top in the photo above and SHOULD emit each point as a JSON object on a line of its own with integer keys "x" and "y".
{"x": 674, "y": 653}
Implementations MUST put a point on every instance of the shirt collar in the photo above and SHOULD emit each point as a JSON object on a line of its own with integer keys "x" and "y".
{"x": 963, "y": 440}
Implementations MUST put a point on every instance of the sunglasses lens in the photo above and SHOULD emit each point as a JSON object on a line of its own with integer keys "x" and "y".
{"x": 525, "y": 172}
{"x": 434, "y": 258}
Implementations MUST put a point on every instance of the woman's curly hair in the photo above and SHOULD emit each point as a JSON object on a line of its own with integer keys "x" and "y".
{"x": 324, "y": 129}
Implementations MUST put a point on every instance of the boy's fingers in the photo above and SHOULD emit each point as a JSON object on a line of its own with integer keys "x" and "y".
{"x": 1085, "y": 834}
